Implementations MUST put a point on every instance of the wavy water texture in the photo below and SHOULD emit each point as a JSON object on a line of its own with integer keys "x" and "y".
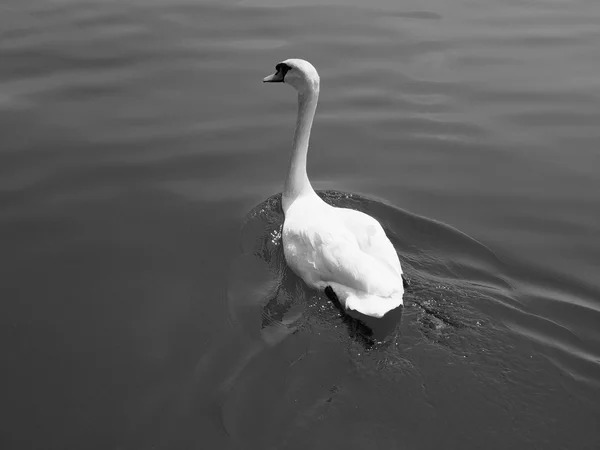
{"x": 462, "y": 309}
{"x": 137, "y": 135}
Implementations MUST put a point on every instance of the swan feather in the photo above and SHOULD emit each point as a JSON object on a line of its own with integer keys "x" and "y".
{"x": 345, "y": 249}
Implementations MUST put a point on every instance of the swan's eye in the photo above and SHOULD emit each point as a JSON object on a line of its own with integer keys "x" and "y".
{"x": 283, "y": 68}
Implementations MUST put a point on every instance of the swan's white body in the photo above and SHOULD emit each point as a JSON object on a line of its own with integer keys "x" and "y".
{"x": 340, "y": 248}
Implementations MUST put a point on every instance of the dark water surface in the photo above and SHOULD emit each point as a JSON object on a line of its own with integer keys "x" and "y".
{"x": 145, "y": 301}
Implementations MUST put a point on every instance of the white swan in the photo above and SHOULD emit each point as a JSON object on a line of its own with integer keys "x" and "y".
{"x": 344, "y": 252}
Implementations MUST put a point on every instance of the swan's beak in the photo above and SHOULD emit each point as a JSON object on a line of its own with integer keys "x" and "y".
{"x": 277, "y": 77}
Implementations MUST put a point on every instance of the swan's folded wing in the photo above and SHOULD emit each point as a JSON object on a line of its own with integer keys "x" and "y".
{"x": 350, "y": 251}
{"x": 371, "y": 237}
{"x": 345, "y": 263}
{"x": 334, "y": 255}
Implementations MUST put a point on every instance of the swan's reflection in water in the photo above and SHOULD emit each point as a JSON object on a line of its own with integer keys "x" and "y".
{"x": 269, "y": 305}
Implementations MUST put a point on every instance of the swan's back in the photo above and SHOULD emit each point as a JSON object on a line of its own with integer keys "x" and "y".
{"x": 346, "y": 250}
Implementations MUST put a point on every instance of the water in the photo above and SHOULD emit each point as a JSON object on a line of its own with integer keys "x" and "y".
{"x": 145, "y": 300}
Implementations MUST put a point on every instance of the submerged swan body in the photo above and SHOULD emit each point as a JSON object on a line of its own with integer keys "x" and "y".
{"x": 344, "y": 252}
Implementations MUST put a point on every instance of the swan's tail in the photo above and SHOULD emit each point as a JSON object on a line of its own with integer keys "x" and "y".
{"x": 372, "y": 305}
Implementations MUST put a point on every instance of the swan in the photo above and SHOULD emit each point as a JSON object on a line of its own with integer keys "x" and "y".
{"x": 341, "y": 251}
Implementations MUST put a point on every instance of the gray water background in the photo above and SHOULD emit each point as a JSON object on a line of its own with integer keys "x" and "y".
{"x": 136, "y": 137}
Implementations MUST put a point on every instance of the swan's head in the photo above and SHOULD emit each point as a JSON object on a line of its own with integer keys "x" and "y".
{"x": 298, "y": 73}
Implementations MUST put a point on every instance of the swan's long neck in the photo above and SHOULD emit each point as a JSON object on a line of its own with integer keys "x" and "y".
{"x": 296, "y": 183}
